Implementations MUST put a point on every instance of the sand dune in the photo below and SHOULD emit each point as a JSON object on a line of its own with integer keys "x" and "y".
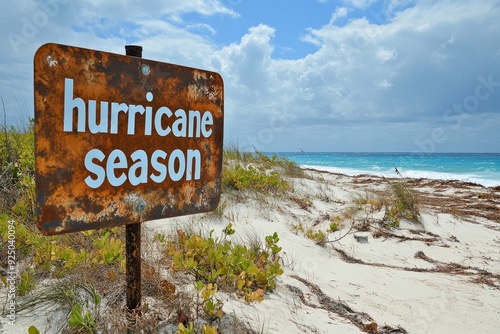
{"x": 440, "y": 276}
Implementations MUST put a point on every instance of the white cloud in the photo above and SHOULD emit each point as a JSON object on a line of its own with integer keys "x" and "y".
{"x": 248, "y": 62}
{"x": 359, "y": 3}
{"x": 155, "y": 8}
{"x": 395, "y": 5}
{"x": 103, "y": 25}
{"x": 30, "y": 23}
{"x": 340, "y": 13}
{"x": 363, "y": 73}
{"x": 385, "y": 54}
{"x": 364, "y": 77}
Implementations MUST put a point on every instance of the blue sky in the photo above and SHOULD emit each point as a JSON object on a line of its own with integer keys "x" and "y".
{"x": 319, "y": 75}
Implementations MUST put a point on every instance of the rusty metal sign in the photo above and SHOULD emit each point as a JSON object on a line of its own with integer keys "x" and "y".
{"x": 122, "y": 140}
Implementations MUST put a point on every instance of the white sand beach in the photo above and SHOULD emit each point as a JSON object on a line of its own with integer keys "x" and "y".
{"x": 440, "y": 276}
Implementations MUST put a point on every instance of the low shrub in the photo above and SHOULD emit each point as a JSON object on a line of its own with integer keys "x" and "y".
{"x": 251, "y": 178}
{"x": 17, "y": 171}
{"x": 257, "y": 172}
{"x": 235, "y": 267}
{"x": 401, "y": 202}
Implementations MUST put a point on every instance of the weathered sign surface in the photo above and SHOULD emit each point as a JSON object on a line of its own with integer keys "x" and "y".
{"x": 121, "y": 140}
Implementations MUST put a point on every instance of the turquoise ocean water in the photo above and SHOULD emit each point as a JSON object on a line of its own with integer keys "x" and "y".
{"x": 481, "y": 168}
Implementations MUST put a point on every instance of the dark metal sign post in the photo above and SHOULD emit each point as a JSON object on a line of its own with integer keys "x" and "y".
{"x": 133, "y": 237}
{"x": 133, "y": 267}
{"x": 120, "y": 140}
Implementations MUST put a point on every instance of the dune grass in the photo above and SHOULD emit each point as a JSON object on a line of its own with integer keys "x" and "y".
{"x": 97, "y": 256}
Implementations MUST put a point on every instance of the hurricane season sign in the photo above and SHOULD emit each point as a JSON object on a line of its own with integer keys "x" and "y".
{"x": 121, "y": 140}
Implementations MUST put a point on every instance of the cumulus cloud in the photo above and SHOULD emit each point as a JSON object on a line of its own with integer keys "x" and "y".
{"x": 98, "y": 24}
{"x": 369, "y": 85}
{"x": 409, "y": 72}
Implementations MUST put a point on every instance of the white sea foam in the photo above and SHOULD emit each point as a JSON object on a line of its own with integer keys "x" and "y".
{"x": 415, "y": 174}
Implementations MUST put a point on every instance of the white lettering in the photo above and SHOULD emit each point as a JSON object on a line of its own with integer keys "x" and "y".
{"x": 192, "y": 124}
{"x": 99, "y": 172}
{"x": 179, "y": 126}
{"x": 193, "y": 161}
{"x": 181, "y": 165}
{"x": 194, "y": 116}
{"x": 178, "y": 166}
{"x": 103, "y": 124}
{"x": 115, "y": 109}
{"x": 161, "y": 168}
{"x": 117, "y": 167}
{"x": 69, "y": 104}
{"x": 162, "y": 111}
{"x": 141, "y": 163}
{"x": 116, "y": 159}
{"x": 149, "y": 115}
{"x": 133, "y": 109}
{"x": 206, "y": 120}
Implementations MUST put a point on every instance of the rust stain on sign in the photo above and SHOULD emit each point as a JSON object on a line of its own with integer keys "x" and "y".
{"x": 121, "y": 140}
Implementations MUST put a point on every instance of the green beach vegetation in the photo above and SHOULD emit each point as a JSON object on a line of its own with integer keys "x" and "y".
{"x": 84, "y": 272}
{"x": 87, "y": 265}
